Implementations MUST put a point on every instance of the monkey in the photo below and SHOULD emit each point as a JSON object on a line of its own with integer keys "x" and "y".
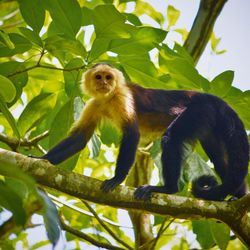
{"x": 175, "y": 116}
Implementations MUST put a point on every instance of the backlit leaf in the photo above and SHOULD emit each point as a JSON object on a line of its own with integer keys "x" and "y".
{"x": 66, "y": 14}
{"x": 33, "y": 13}
{"x": 36, "y": 110}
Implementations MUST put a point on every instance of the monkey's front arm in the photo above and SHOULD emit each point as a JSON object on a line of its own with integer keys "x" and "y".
{"x": 66, "y": 148}
{"x": 125, "y": 158}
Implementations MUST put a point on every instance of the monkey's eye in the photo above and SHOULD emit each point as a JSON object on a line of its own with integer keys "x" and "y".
{"x": 98, "y": 77}
{"x": 108, "y": 77}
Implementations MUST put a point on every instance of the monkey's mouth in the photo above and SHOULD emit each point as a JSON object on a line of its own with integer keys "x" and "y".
{"x": 103, "y": 89}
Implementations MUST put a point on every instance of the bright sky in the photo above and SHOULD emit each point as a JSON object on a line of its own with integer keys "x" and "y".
{"x": 232, "y": 26}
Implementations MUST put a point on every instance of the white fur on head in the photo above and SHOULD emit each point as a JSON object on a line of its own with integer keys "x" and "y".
{"x": 89, "y": 81}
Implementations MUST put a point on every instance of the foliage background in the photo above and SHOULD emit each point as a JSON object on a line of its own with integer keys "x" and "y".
{"x": 45, "y": 46}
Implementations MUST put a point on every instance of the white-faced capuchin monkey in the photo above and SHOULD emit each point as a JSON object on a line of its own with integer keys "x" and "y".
{"x": 176, "y": 116}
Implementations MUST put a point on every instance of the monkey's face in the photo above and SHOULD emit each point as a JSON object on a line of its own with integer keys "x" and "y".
{"x": 101, "y": 81}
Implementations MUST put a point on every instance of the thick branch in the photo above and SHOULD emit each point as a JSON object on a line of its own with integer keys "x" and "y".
{"x": 202, "y": 27}
{"x": 88, "y": 188}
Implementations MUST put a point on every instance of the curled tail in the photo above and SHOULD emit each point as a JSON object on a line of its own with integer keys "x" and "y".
{"x": 230, "y": 131}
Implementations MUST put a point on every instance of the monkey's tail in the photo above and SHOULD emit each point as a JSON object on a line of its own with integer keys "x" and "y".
{"x": 232, "y": 132}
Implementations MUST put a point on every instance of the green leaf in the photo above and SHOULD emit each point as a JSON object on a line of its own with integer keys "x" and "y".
{"x": 222, "y": 83}
{"x": 86, "y": 16}
{"x": 142, "y": 71}
{"x": 109, "y": 134}
{"x": 141, "y": 41}
{"x": 36, "y": 110}
{"x": 214, "y": 44}
{"x": 32, "y": 36}
{"x": 6, "y": 40}
{"x": 100, "y": 46}
{"x": 193, "y": 165}
{"x": 9, "y": 169}
{"x": 51, "y": 218}
{"x": 19, "y": 80}
{"x": 112, "y": 27}
{"x": 9, "y": 117}
{"x": 21, "y": 45}
{"x": 11, "y": 200}
{"x": 72, "y": 78}
{"x": 203, "y": 233}
{"x": 143, "y": 8}
{"x": 33, "y": 13}
{"x": 172, "y": 15}
{"x": 56, "y": 44}
{"x": 7, "y": 89}
{"x": 63, "y": 121}
{"x": 220, "y": 233}
{"x": 133, "y": 19}
{"x": 66, "y": 14}
{"x": 180, "y": 69}
{"x": 94, "y": 146}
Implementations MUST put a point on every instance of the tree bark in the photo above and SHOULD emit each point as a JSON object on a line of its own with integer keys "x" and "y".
{"x": 202, "y": 28}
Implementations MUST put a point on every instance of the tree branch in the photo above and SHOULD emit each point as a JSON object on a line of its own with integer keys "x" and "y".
{"x": 14, "y": 143}
{"x": 106, "y": 227}
{"x": 88, "y": 188}
{"x": 202, "y": 27}
{"x": 86, "y": 237}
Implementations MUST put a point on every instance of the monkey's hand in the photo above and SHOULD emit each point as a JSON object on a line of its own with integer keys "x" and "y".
{"x": 110, "y": 184}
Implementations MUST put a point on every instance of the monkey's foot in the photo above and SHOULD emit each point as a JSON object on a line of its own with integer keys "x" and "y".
{"x": 110, "y": 184}
{"x": 144, "y": 192}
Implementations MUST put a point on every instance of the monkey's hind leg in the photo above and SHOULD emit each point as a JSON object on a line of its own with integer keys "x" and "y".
{"x": 188, "y": 126}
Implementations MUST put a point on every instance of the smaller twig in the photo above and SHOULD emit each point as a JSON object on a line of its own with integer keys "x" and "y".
{"x": 38, "y": 65}
{"x": 14, "y": 143}
{"x": 86, "y": 237}
{"x": 12, "y": 25}
{"x": 105, "y": 227}
{"x": 160, "y": 233}
{"x": 67, "y": 204}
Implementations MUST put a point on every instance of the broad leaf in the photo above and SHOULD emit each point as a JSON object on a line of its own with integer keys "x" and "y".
{"x": 62, "y": 123}
{"x": 203, "y": 233}
{"x": 143, "y": 8}
{"x": 141, "y": 41}
{"x": 172, "y": 15}
{"x": 66, "y": 14}
{"x": 220, "y": 233}
{"x": 57, "y": 44}
{"x": 180, "y": 69}
{"x": 21, "y": 45}
{"x": 112, "y": 27}
{"x": 9, "y": 117}
{"x": 32, "y": 36}
{"x": 141, "y": 71}
{"x": 36, "y": 110}
{"x": 51, "y": 218}
{"x": 33, "y": 13}
{"x": 109, "y": 134}
{"x": 11, "y": 200}
{"x": 222, "y": 83}
{"x": 7, "y": 89}
{"x": 73, "y": 78}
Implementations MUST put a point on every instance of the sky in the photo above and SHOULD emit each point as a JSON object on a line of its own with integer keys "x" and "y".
{"x": 232, "y": 26}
